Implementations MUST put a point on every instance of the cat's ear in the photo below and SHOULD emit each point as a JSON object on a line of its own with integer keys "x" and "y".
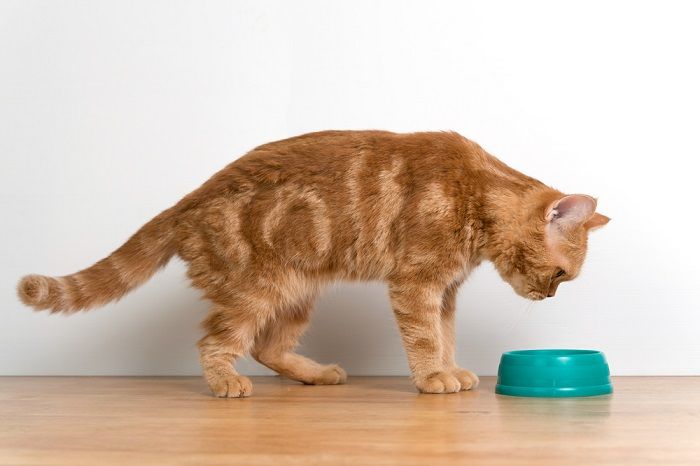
{"x": 595, "y": 222}
{"x": 571, "y": 211}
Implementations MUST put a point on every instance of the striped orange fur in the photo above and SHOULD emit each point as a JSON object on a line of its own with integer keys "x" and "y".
{"x": 264, "y": 235}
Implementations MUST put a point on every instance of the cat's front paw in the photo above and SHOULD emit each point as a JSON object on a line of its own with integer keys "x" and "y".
{"x": 439, "y": 382}
{"x": 467, "y": 379}
{"x": 230, "y": 386}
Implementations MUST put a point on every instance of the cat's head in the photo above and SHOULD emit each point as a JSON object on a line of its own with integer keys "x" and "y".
{"x": 549, "y": 244}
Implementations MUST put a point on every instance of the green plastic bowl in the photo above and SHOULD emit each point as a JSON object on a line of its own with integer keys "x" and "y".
{"x": 553, "y": 373}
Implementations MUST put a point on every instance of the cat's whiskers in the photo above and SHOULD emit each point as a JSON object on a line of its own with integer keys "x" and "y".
{"x": 529, "y": 307}
{"x": 525, "y": 312}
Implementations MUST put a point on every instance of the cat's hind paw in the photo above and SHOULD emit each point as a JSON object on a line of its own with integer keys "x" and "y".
{"x": 231, "y": 386}
{"x": 330, "y": 375}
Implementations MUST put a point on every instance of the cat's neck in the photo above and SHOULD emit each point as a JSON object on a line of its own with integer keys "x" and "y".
{"x": 509, "y": 204}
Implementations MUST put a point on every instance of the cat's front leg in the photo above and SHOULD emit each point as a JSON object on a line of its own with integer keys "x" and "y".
{"x": 467, "y": 379}
{"x": 418, "y": 307}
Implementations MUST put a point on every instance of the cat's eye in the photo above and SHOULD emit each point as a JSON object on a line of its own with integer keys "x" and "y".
{"x": 559, "y": 273}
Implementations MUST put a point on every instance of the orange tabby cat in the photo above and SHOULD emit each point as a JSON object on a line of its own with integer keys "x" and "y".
{"x": 264, "y": 235}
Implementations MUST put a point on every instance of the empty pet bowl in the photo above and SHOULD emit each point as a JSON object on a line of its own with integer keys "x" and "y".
{"x": 553, "y": 373}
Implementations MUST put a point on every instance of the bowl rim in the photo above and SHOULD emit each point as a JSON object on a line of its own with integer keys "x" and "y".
{"x": 552, "y": 353}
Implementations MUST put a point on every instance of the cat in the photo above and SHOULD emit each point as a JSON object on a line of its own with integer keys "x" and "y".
{"x": 265, "y": 234}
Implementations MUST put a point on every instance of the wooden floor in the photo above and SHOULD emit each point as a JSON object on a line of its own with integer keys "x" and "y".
{"x": 372, "y": 420}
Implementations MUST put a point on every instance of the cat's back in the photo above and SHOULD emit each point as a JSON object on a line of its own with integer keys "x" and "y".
{"x": 330, "y": 155}
{"x": 342, "y": 163}
{"x": 339, "y": 144}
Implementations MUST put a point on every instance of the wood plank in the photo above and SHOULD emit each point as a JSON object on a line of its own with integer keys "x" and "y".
{"x": 371, "y": 420}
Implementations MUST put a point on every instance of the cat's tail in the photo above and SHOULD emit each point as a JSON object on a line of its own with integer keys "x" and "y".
{"x": 131, "y": 265}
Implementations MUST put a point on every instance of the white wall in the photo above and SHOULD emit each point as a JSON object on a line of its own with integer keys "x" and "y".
{"x": 111, "y": 111}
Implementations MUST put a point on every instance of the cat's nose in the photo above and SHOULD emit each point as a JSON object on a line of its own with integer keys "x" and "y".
{"x": 551, "y": 293}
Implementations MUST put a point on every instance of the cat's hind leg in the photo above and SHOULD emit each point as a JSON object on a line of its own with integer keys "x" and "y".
{"x": 274, "y": 347}
{"x": 231, "y": 330}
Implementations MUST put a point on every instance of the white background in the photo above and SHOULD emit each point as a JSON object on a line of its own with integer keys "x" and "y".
{"x": 111, "y": 111}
